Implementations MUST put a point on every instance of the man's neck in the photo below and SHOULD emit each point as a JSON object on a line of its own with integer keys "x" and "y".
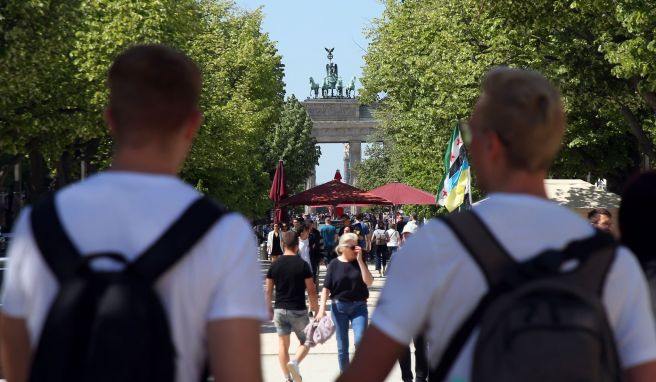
{"x": 521, "y": 182}
{"x": 289, "y": 253}
{"x": 151, "y": 160}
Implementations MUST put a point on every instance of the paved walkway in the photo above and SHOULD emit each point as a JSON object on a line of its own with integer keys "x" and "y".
{"x": 321, "y": 363}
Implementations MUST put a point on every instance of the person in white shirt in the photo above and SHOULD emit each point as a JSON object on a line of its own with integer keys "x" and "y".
{"x": 213, "y": 296}
{"x": 516, "y": 129}
{"x": 380, "y": 239}
{"x": 274, "y": 242}
{"x": 303, "y": 232}
{"x": 394, "y": 239}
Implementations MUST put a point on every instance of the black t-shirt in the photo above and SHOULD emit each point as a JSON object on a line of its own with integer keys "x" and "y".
{"x": 288, "y": 274}
{"x": 400, "y": 225}
{"x": 344, "y": 280}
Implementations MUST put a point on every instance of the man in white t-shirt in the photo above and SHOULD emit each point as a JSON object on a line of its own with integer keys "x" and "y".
{"x": 516, "y": 129}
{"x": 213, "y": 296}
{"x": 303, "y": 232}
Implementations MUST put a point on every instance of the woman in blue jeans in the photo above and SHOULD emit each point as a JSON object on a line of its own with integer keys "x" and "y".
{"x": 347, "y": 281}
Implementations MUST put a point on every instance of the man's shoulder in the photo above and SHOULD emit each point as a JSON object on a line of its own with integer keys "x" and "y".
{"x": 293, "y": 265}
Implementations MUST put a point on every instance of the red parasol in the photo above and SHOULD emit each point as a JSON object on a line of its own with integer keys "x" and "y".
{"x": 279, "y": 192}
{"x": 334, "y": 193}
{"x": 399, "y": 193}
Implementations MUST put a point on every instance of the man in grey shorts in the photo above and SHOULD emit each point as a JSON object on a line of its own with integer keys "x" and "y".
{"x": 291, "y": 276}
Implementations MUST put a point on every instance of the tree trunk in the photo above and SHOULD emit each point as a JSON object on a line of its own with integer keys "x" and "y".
{"x": 90, "y": 152}
{"x": 7, "y": 169}
{"x": 650, "y": 99}
{"x": 635, "y": 127}
{"x": 39, "y": 178}
{"x": 64, "y": 169}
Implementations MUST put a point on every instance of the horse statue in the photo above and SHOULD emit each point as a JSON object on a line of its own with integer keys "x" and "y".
{"x": 350, "y": 88}
{"x": 340, "y": 88}
{"x": 314, "y": 88}
{"x": 325, "y": 87}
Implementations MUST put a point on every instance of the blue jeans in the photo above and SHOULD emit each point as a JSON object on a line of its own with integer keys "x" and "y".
{"x": 343, "y": 312}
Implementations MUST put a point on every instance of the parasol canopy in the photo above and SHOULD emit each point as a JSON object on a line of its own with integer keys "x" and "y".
{"x": 400, "y": 193}
{"x": 334, "y": 193}
{"x": 278, "y": 187}
{"x": 278, "y": 192}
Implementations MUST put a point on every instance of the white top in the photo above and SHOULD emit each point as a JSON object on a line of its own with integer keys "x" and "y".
{"x": 438, "y": 283}
{"x": 125, "y": 212}
{"x": 270, "y": 241}
{"x": 304, "y": 250}
{"x": 393, "y": 238}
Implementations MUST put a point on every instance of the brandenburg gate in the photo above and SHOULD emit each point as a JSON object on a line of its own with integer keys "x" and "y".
{"x": 338, "y": 117}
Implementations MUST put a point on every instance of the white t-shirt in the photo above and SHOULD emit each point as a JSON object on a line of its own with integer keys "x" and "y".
{"x": 304, "y": 250}
{"x": 125, "y": 212}
{"x": 444, "y": 283}
{"x": 393, "y": 238}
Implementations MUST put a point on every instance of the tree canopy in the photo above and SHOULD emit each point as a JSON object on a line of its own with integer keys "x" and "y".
{"x": 54, "y": 57}
{"x": 290, "y": 139}
{"x": 427, "y": 58}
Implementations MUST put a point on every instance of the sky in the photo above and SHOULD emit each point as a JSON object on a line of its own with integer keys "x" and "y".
{"x": 302, "y": 29}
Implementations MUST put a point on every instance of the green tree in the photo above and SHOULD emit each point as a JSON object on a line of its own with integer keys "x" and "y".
{"x": 427, "y": 59}
{"x": 291, "y": 140}
{"x": 54, "y": 57}
{"x": 424, "y": 65}
{"x": 242, "y": 98}
{"x": 380, "y": 166}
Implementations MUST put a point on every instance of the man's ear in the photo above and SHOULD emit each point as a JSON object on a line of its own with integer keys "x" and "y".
{"x": 193, "y": 124}
{"x": 495, "y": 148}
{"x": 108, "y": 116}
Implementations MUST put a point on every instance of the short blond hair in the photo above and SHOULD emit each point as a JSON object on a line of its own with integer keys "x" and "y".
{"x": 525, "y": 110}
{"x": 349, "y": 236}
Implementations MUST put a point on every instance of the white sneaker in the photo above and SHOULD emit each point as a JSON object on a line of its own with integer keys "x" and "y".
{"x": 292, "y": 366}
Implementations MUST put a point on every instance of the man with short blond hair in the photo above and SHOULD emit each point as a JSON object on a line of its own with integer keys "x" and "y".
{"x": 516, "y": 130}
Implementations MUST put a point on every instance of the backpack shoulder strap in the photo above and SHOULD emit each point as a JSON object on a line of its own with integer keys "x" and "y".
{"x": 596, "y": 255}
{"x": 491, "y": 257}
{"x": 57, "y": 250}
{"x": 178, "y": 239}
{"x": 495, "y": 263}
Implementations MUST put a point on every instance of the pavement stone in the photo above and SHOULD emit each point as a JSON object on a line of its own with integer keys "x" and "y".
{"x": 320, "y": 365}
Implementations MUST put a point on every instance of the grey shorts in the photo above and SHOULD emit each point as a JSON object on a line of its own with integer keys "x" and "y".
{"x": 287, "y": 321}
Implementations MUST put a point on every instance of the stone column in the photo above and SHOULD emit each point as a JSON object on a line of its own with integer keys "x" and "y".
{"x": 347, "y": 168}
{"x": 309, "y": 183}
{"x": 355, "y": 152}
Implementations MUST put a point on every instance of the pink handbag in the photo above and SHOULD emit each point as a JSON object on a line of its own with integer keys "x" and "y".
{"x": 318, "y": 332}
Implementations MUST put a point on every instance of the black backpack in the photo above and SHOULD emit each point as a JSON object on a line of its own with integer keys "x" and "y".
{"x": 543, "y": 319}
{"x": 110, "y": 326}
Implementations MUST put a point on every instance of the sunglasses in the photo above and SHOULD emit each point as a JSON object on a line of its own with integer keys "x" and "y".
{"x": 351, "y": 246}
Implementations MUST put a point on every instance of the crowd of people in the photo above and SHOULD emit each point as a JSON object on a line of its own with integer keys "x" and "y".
{"x": 133, "y": 275}
{"x": 344, "y": 251}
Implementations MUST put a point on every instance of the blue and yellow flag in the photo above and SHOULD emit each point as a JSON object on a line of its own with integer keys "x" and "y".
{"x": 455, "y": 187}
